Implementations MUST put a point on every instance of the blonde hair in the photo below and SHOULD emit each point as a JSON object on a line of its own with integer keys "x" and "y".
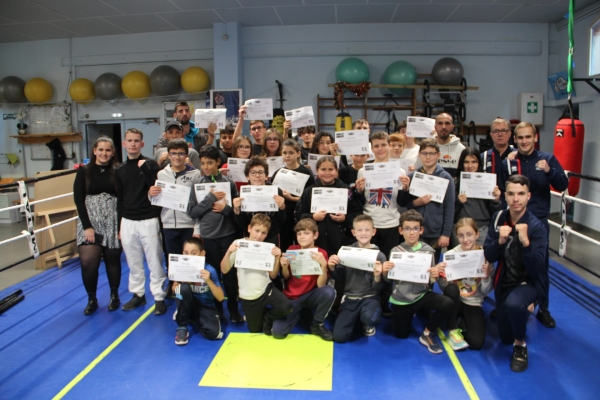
{"x": 470, "y": 222}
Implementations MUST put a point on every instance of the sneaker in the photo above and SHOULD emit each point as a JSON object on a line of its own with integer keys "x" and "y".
{"x": 321, "y": 331}
{"x": 114, "y": 302}
{"x": 519, "y": 359}
{"x": 91, "y": 307}
{"x": 386, "y": 311}
{"x": 160, "y": 307}
{"x": 267, "y": 327}
{"x": 430, "y": 341}
{"x": 545, "y": 318}
{"x": 181, "y": 337}
{"x": 236, "y": 317}
{"x": 457, "y": 341}
{"x": 136, "y": 301}
{"x": 369, "y": 330}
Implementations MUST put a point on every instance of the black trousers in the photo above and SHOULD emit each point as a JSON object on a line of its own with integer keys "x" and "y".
{"x": 403, "y": 315}
{"x": 191, "y": 311}
{"x": 368, "y": 310}
{"x": 473, "y": 316}
{"x": 215, "y": 251}
{"x": 272, "y": 305}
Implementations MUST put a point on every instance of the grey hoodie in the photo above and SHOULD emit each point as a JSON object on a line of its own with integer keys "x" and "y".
{"x": 172, "y": 219}
{"x": 409, "y": 292}
{"x": 359, "y": 283}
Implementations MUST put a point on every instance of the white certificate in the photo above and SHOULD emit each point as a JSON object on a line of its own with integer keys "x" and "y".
{"x": 358, "y": 258}
{"x": 301, "y": 263}
{"x": 353, "y": 142}
{"x": 410, "y": 267}
{"x": 291, "y": 181}
{"x": 236, "y": 169}
{"x": 464, "y": 264}
{"x": 203, "y": 189}
{"x": 422, "y": 184}
{"x": 255, "y": 255}
{"x": 204, "y": 117}
{"x": 419, "y": 127}
{"x": 173, "y": 196}
{"x": 274, "y": 164}
{"x": 332, "y": 200}
{"x": 185, "y": 268}
{"x": 258, "y": 198}
{"x": 303, "y": 116}
{"x": 314, "y": 158}
{"x": 477, "y": 185}
{"x": 383, "y": 175}
{"x": 405, "y": 164}
{"x": 259, "y": 109}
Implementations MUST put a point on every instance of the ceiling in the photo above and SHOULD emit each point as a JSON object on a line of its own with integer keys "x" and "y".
{"x": 26, "y": 20}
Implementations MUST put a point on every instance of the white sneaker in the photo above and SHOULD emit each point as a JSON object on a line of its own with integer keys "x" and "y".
{"x": 369, "y": 330}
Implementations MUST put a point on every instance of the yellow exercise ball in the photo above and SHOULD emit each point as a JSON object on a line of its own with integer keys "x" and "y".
{"x": 38, "y": 90}
{"x": 82, "y": 90}
{"x": 136, "y": 85}
{"x": 195, "y": 79}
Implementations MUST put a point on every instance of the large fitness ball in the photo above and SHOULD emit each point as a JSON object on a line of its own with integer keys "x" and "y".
{"x": 400, "y": 73}
{"x": 165, "y": 80}
{"x": 447, "y": 71}
{"x": 82, "y": 90}
{"x": 136, "y": 85}
{"x": 195, "y": 79}
{"x": 352, "y": 70}
{"x": 108, "y": 86}
{"x": 38, "y": 90}
{"x": 12, "y": 90}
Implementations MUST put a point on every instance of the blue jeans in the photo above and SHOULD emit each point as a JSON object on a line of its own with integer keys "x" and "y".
{"x": 513, "y": 313}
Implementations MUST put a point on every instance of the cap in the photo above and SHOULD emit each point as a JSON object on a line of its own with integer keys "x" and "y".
{"x": 173, "y": 123}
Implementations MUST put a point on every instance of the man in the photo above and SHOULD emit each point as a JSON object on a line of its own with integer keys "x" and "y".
{"x": 518, "y": 241}
{"x": 192, "y": 134}
{"x": 174, "y": 130}
{"x": 450, "y": 145}
{"x": 500, "y": 132}
{"x": 257, "y": 130}
{"x": 543, "y": 170}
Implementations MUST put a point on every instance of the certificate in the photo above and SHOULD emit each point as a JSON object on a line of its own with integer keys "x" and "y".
{"x": 236, "y": 169}
{"x": 303, "y": 116}
{"x": 405, "y": 163}
{"x": 358, "y": 258}
{"x": 419, "y": 127}
{"x": 422, "y": 184}
{"x": 173, "y": 196}
{"x": 410, "y": 267}
{"x": 203, "y": 189}
{"x": 291, "y": 181}
{"x": 301, "y": 263}
{"x": 477, "y": 185}
{"x": 185, "y": 268}
{"x": 204, "y": 117}
{"x": 314, "y": 158}
{"x": 383, "y": 175}
{"x": 258, "y": 198}
{"x": 464, "y": 264}
{"x": 255, "y": 255}
{"x": 353, "y": 142}
{"x": 274, "y": 164}
{"x": 259, "y": 109}
{"x": 332, "y": 200}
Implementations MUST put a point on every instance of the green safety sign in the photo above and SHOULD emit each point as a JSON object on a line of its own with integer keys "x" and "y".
{"x": 532, "y": 107}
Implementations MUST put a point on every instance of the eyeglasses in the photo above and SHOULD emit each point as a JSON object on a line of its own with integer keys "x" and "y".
{"x": 272, "y": 139}
{"x": 466, "y": 236}
{"x": 257, "y": 173}
{"x": 497, "y": 131}
{"x": 257, "y": 128}
{"x": 244, "y": 147}
{"x": 409, "y": 230}
{"x": 177, "y": 154}
{"x": 428, "y": 154}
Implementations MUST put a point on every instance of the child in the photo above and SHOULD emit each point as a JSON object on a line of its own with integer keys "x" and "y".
{"x": 411, "y": 149}
{"x": 256, "y": 289}
{"x": 306, "y": 291}
{"x": 242, "y": 148}
{"x": 349, "y": 174}
{"x": 361, "y": 300}
{"x": 324, "y": 144}
{"x": 271, "y": 145}
{"x": 470, "y": 291}
{"x": 396, "y": 145}
{"x": 408, "y": 297}
{"x": 307, "y": 135}
{"x": 226, "y": 143}
{"x": 196, "y": 304}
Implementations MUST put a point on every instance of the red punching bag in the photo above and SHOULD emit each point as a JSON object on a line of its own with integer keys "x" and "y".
{"x": 568, "y": 148}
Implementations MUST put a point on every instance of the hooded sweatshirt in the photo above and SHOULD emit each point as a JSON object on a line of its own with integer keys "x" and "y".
{"x": 173, "y": 219}
{"x": 404, "y": 293}
{"x": 449, "y": 155}
{"x": 359, "y": 283}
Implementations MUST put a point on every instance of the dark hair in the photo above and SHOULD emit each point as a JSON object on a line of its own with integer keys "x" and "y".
{"x": 519, "y": 180}
{"x": 196, "y": 242}
{"x": 360, "y": 121}
{"x": 264, "y": 143}
{"x": 362, "y": 218}
{"x": 411, "y": 216}
{"x": 295, "y": 145}
{"x": 306, "y": 224}
{"x": 254, "y": 162}
{"x": 112, "y": 163}
{"x": 325, "y": 159}
{"x": 306, "y": 129}
{"x": 401, "y": 125}
{"x": 429, "y": 142}
{"x": 469, "y": 151}
{"x": 178, "y": 144}
{"x": 236, "y": 144}
{"x": 228, "y": 130}
{"x": 315, "y": 144}
{"x": 380, "y": 135}
{"x": 209, "y": 151}
{"x": 180, "y": 104}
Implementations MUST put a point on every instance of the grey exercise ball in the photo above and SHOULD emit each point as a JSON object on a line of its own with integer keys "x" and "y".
{"x": 447, "y": 71}
{"x": 108, "y": 86}
{"x": 165, "y": 80}
{"x": 12, "y": 90}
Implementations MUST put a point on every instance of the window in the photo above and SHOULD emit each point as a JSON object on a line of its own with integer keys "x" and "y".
{"x": 595, "y": 49}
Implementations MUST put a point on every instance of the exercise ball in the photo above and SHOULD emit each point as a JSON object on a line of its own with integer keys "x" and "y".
{"x": 136, "y": 85}
{"x": 447, "y": 71}
{"x": 12, "y": 90}
{"x": 38, "y": 90}
{"x": 195, "y": 79}
{"x": 82, "y": 90}
{"x": 352, "y": 70}
{"x": 165, "y": 80}
{"x": 108, "y": 86}
{"x": 400, "y": 73}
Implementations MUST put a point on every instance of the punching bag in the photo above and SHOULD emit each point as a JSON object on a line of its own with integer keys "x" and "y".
{"x": 568, "y": 147}
{"x": 343, "y": 121}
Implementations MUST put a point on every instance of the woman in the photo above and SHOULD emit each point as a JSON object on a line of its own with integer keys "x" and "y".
{"x": 97, "y": 229}
{"x": 272, "y": 143}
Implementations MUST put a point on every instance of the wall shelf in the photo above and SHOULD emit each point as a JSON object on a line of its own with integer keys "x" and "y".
{"x": 42, "y": 138}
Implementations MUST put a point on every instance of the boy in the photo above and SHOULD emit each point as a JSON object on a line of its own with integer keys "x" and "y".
{"x": 217, "y": 227}
{"x": 408, "y": 297}
{"x": 306, "y": 291}
{"x": 396, "y": 145}
{"x": 226, "y": 143}
{"x": 361, "y": 300}
{"x": 197, "y": 300}
{"x": 307, "y": 134}
{"x": 349, "y": 174}
{"x": 256, "y": 289}
{"x": 139, "y": 226}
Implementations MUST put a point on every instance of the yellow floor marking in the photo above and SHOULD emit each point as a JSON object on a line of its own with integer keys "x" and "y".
{"x": 458, "y": 367}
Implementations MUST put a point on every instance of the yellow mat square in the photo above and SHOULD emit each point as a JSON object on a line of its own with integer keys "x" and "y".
{"x": 257, "y": 361}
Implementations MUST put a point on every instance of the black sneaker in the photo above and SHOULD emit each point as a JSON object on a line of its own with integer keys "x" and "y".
{"x": 267, "y": 327}
{"x": 321, "y": 331}
{"x": 181, "y": 337}
{"x": 519, "y": 359}
{"x": 114, "y": 302}
{"x": 386, "y": 311}
{"x": 136, "y": 301}
{"x": 160, "y": 307}
{"x": 545, "y": 318}
{"x": 91, "y": 307}
{"x": 236, "y": 317}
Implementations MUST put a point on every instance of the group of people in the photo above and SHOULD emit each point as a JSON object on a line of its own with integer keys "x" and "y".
{"x": 116, "y": 212}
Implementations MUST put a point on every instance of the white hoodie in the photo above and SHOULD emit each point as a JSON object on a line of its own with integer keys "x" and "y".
{"x": 449, "y": 155}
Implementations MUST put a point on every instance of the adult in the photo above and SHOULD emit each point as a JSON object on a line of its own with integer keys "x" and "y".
{"x": 192, "y": 134}
{"x": 174, "y": 130}
{"x": 450, "y": 145}
{"x": 97, "y": 232}
{"x": 500, "y": 132}
{"x": 257, "y": 130}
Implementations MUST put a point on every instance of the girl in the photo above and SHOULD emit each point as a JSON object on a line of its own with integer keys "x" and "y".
{"x": 242, "y": 148}
{"x": 468, "y": 293}
{"x": 324, "y": 144}
{"x": 271, "y": 145}
{"x": 411, "y": 149}
{"x": 97, "y": 232}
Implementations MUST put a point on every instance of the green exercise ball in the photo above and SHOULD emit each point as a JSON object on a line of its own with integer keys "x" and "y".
{"x": 400, "y": 73}
{"x": 352, "y": 70}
